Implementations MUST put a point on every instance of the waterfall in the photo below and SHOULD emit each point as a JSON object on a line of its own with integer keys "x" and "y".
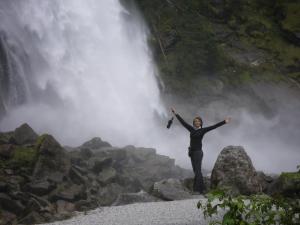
{"x": 80, "y": 69}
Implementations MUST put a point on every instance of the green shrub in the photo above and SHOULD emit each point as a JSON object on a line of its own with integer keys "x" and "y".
{"x": 251, "y": 210}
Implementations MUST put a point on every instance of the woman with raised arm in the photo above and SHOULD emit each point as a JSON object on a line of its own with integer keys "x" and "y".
{"x": 195, "y": 149}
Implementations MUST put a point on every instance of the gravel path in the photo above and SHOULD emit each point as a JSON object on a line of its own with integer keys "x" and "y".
{"x": 183, "y": 212}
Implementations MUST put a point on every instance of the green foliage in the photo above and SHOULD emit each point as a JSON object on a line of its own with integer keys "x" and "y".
{"x": 188, "y": 39}
{"x": 251, "y": 210}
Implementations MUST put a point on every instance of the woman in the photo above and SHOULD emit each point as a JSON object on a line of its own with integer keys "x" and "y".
{"x": 195, "y": 150}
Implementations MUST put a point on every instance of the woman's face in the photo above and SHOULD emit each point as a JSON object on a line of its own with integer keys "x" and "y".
{"x": 197, "y": 123}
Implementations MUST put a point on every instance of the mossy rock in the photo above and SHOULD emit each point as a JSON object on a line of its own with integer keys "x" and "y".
{"x": 287, "y": 184}
{"x": 22, "y": 157}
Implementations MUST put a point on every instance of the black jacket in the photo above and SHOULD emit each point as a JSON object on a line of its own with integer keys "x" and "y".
{"x": 196, "y": 135}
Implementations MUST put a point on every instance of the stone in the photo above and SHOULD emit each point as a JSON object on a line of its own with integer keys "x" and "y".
{"x": 95, "y": 143}
{"x": 76, "y": 176}
{"x": 11, "y": 205}
{"x": 25, "y": 135}
{"x": 6, "y": 151}
{"x": 108, "y": 194}
{"x": 129, "y": 198}
{"x": 39, "y": 188}
{"x": 3, "y": 186}
{"x": 8, "y": 218}
{"x": 32, "y": 218}
{"x": 68, "y": 193}
{"x": 98, "y": 164}
{"x": 53, "y": 160}
{"x": 170, "y": 189}
{"x": 64, "y": 206}
{"x": 83, "y": 205}
{"x": 234, "y": 170}
{"x": 107, "y": 175}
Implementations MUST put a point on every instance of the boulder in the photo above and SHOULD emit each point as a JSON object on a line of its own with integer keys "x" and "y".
{"x": 39, "y": 188}
{"x": 95, "y": 143}
{"x": 8, "y": 217}
{"x": 129, "y": 198}
{"x": 97, "y": 164}
{"x": 84, "y": 205}
{"x": 108, "y": 194}
{"x": 3, "y": 186}
{"x": 25, "y": 135}
{"x": 264, "y": 180}
{"x": 234, "y": 170}
{"x": 70, "y": 193}
{"x": 107, "y": 175}
{"x": 53, "y": 160}
{"x": 76, "y": 176}
{"x": 64, "y": 206}
{"x": 6, "y": 151}
{"x": 170, "y": 189}
{"x": 11, "y": 205}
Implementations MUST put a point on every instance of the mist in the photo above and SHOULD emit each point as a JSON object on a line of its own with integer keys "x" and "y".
{"x": 92, "y": 74}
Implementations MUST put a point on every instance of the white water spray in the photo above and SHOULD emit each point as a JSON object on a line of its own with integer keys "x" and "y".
{"x": 91, "y": 67}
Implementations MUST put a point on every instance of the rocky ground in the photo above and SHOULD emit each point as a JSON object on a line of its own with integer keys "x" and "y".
{"x": 42, "y": 181}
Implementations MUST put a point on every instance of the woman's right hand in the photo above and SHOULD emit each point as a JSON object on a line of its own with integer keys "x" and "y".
{"x": 173, "y": 110}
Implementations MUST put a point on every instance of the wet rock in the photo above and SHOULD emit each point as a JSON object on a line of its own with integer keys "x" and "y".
{"x": 234, "y": 170}
{"x": 107, "y": 175}
{"x": 69, "y": 193}
{"x": 95, "y": 143}
{"x": 11, "y": 205}
{"x": 39, "y": 188}
{"x": 25, "y": 135}
{"x": 170, "y": 189}
{"x": 53, "y": 160}
{"x": 6, "y": 151}
{"x": 98, "y": 164}
{"x": 108, "y": 194}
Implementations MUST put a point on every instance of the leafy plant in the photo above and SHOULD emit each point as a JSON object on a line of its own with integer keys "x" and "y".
{"x": 251, "y": 210}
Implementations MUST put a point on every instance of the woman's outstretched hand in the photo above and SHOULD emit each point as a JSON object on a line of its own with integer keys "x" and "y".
{"x": 227, "y": 119}
{"x": 173, "y": 110}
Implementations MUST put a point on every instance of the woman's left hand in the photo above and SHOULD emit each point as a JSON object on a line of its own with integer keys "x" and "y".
{"x": 227, "y": 119}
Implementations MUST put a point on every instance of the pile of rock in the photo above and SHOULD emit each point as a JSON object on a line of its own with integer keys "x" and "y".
{"x": 42, "y": 181}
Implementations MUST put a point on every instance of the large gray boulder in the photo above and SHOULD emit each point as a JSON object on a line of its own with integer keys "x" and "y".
{"x": 234, "y": 170}
{"x": 53, "y": 162}
{"x": 170, "y": 189}
{"x": 24, "y": 135}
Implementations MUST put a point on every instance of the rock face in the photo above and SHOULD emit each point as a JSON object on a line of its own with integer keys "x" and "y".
{"x": 40, "y": 181}
{"x": 234, "y": 169}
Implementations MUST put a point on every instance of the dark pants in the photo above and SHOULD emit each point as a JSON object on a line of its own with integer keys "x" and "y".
{"x": 196, "y": 159}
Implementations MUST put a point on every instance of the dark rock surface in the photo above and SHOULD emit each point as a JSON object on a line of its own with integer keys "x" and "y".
{"x": 41, "y": 181}
{"x": 234, "y": 169}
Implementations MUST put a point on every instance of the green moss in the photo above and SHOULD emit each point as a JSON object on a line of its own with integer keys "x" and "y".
{"x": 290, "y": 175}
{"x": 23, "y": 157}
{"x": 40, "y": 140}
{"x": 291, "y": 22}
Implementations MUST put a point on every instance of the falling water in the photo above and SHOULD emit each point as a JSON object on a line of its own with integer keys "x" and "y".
{"x": 91, "y": 71}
